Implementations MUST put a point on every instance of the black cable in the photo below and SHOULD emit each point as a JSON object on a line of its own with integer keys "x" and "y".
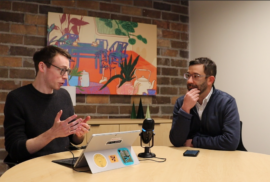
{"x": 73, "y": 161}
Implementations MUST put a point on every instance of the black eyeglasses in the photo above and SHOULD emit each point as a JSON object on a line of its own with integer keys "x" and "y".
{"x": 62, "y": 70}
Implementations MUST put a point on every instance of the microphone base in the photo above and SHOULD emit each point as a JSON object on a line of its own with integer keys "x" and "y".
{"x": 146, "y": 155}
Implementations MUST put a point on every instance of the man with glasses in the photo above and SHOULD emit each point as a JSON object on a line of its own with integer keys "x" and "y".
{"x": 39, "y": 117}
{"x": 205, "y": 117}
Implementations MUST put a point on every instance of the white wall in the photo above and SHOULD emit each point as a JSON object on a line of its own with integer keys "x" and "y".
{"x": 236, "y": 35}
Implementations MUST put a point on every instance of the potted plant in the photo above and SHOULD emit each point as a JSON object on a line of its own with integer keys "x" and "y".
{"x": 126, "y": 74}
{"x": 74, "y": 75}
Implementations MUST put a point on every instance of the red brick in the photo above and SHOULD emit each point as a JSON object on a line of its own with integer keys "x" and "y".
{"x": 13, "y": 17}
{"x": 178, "y": 81}
{"x": 107, "y": 110}
{"x": 38, "y": 41}
{"x": 23, "y": 29}
{"x": 80, "y": 98}
{"x": 2, "y": 117}
{"x": 173, "y": 99}
{"x": 185, "y": 3}
{"x": 151, "y": 13}
{"x": 128, "y": 2}
{"x": 184, "y": 54}
{"x": 85, "y": 109}
{"x": 141, "y": 20}
{"x": 167, "y": 109}
{"x": 99, "y": 14}
{"x": 63, "y": 3}
{"x": 170, "y": 16}
{"x": 120, "y": 17}
{"x": 4, "y": 27}
{"x": 161, "y": 100}
{"x": 9, "y": 85}
{"x": 25, "y": 7}
{"x": 146, "y": 3}
{"x": 162, "y": 6}
{"x": 159, "y": 33}
{"x": 26, "y": 82}
{"x": 74, "y": 11}
{"x": 168, "y": 91}
{"x": 170, "y": 71}
{"x": 163, "y": 61}
{"x": 162, "y": 24}
{"x": 179, "y": 44}
{"x": 2, "y": 139}
{"x": 163, "y": 80}
{"x": 42, "y": 31}
{"x": 18, "y": 73}
{"x": 182, "y": 71}
{"x": 40, "y": 1}
{"x": 184, "y": 36}
{"x": 179, "y": 27}
{"x": 4, "y": 50}
{"x": 109, "y": 7}
{"x": 173, "y": 1}
{"x": 35, "y": 19}
{"x": 3, "y": 96}
{"x": 180, "y": 9}
{"x": 125, "y": 110}
{"x": 47, "y": 9}
{"x": 163, "y": 43}
{"x": 5, "y": 5}
{"x": 117, "y": 99}
{"x": 11, "y": 38}
{"x": 97, "y": 99}
{"x": 88, "y": 4}
{"x": 170, "y": 34}
{"x": 28, "y": 62}
{"x": 179, "y": 63}
{"x": 11, "y": 61}
{"x": 182, "y": 91}
{"x": 3, "y": 153}
{"x": 3, "y": 73}
{"x": 169, "y": 52}
{"x": 131, "y": 10}
{"x": 184, "y": 19}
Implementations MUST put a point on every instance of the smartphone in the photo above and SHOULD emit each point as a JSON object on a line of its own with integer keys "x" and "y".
{"x": 191, "y": 153}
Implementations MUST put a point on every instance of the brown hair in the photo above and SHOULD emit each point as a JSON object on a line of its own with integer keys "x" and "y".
{"x": 210, "y": 68}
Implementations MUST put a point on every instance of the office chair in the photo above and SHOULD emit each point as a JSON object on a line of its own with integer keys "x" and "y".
{"x": 240, "y": 145}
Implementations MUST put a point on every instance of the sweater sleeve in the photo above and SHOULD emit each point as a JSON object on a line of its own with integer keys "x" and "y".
{"x": 14, "y": 128}
{"x": 180, "y": 125}
{"x": 229, "y": 139}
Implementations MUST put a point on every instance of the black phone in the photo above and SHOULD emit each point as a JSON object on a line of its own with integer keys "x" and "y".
{"x": 191, "y": 153}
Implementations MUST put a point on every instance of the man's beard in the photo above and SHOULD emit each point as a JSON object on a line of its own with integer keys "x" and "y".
{"x": 202, "y": 87}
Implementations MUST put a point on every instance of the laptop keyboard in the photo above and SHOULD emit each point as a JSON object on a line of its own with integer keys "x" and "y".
{"x": 69, "y": 161}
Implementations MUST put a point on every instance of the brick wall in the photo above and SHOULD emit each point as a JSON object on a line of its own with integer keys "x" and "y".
{"x": 23, "y": 26}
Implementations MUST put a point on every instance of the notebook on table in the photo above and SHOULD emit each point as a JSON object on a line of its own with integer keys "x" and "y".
{"x": 106, "y": 151}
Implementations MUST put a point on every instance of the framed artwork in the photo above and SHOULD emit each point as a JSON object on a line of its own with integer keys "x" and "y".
{"x": 111, "y": 57}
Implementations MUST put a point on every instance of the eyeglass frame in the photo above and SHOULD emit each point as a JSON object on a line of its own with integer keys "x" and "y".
{"x": 195, "y": 78}
{"x": 63, "y": 71}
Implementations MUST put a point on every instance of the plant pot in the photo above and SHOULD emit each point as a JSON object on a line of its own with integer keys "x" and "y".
{"x": 73, "y": 81}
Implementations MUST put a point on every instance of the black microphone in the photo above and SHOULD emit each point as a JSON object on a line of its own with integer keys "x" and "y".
{"x": 146, "y": 136}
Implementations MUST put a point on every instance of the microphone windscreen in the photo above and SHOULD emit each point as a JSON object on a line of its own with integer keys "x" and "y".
{"x": 148, "y": 124}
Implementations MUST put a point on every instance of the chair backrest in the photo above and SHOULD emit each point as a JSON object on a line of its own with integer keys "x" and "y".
{"x": 240, "y": 145}
{"x": 103, "y": 43}
{"x": 121, "y": 47}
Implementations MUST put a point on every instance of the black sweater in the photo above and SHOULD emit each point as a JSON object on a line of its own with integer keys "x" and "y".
{"x": 29, "y": 113}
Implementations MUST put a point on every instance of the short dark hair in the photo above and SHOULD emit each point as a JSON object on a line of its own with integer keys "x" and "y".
{"x": 47, "y": 54}
{"x": 210, "y": 68}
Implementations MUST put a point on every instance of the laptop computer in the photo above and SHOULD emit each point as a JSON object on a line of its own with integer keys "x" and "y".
{"x": 106, "y": 151}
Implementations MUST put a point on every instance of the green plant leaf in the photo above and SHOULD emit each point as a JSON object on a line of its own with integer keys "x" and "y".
{"x": 127, "y": 26}
{"x": 134, "y": 24}
{"x": 118, "y": 31}
{"x": 111, "y": 79}
{"x": 132, "y": 41}
{"x": 144, "y": 40}
{"x": 104, "y": 19}
{"x": 123, "y": 33}
{"x": 121, "y": 22}
{"x": 108, "y": 24}
{"x": 139, "y": 37}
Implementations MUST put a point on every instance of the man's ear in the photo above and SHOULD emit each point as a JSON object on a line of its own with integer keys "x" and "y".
{"x": 211, "y": 80}
{"x": 42, "y": 67}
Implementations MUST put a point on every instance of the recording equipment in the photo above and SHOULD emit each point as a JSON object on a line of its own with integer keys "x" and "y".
{"x": 146, "y": 136}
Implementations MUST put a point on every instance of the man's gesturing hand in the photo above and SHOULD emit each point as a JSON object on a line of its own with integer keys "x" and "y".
{"x": 190, "y": 99}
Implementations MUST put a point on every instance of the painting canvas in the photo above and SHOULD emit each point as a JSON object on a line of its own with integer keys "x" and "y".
{"x": 111, "y": 57}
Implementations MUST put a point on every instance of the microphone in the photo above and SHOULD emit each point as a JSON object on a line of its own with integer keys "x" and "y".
{"x": 146, "y": 136}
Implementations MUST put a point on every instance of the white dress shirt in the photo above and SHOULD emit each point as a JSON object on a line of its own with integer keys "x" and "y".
{"x": 200, "y": 108}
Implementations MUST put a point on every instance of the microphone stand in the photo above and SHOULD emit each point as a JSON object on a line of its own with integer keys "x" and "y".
{"x": 147, "y": 153}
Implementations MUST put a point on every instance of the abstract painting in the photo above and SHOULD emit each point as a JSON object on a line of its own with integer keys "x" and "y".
{"x": 111, "y": 57}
